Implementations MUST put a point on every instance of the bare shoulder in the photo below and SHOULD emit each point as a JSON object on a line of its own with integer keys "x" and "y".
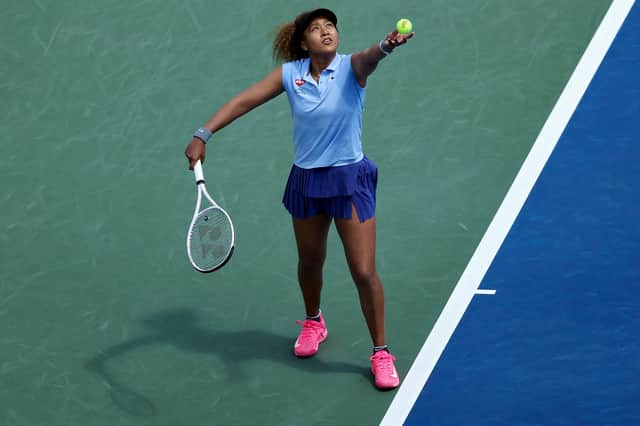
{"x": 359, "y": 68}
{"x": 271, "y": 84}
{"x": 275, "y": 75}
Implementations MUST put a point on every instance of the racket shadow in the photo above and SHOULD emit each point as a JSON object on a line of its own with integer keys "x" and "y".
{"x": 180, "y": 328}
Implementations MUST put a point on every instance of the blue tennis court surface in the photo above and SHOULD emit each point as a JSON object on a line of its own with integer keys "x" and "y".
{"x": 558, "y": 342}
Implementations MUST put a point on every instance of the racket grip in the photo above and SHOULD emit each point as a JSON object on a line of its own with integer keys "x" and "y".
{"x": 197, "y": 171}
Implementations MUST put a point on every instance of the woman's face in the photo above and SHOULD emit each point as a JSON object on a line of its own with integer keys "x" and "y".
{"x": 321, "y": 36}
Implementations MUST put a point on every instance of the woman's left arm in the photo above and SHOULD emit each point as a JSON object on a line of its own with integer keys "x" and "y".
{"x": 365, "y": 62}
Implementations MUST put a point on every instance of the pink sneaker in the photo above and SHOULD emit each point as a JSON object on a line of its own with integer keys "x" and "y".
{"x": 312, "y": 334}
{"x": 384, "y": 371}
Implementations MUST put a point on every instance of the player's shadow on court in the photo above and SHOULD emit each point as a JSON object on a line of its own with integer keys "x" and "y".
{"x": 181, "y": 328}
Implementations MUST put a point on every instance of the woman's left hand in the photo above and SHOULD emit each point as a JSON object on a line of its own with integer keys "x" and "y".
{"x": 395, "y": 39}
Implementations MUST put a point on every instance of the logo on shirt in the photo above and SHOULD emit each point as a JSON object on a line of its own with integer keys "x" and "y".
{"x": 299, "y": 82}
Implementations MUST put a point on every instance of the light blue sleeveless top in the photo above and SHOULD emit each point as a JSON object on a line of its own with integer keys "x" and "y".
{"x": 327, "y": 115}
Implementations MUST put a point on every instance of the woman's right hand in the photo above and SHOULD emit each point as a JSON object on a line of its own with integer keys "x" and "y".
{"x": 195, "y": 151}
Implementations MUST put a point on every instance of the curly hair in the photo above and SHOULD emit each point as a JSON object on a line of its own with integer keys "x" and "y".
{"x": 287, "y": 44}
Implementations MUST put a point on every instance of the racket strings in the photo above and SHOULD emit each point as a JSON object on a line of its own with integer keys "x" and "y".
{"x": 211, "y": 238}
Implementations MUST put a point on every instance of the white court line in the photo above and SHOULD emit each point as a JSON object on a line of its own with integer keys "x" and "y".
{"x": 473, "y": 274}
{"x": 484, "y": 291}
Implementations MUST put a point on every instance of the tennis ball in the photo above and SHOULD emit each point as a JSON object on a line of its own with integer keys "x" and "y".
{"x": 404, "y": 26}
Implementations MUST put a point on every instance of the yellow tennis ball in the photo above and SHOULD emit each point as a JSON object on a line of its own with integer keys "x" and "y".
{"x": 404, "y": 26}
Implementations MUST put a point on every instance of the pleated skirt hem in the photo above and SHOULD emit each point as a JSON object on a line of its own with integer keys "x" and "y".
{"x": 333, "y": 191}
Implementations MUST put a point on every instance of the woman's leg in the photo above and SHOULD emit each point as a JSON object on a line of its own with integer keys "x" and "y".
{"x": 359, "y": 241}
{"x": 311, "y": 239}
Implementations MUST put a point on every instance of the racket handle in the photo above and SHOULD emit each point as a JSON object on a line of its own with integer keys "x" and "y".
{"x": 197, "y": 171}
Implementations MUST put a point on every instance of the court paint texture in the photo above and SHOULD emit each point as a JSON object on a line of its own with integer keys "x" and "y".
{"x": 102, "y": 320}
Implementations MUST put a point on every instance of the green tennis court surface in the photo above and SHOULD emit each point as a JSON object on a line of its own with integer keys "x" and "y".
{"x": 102, "y": 319}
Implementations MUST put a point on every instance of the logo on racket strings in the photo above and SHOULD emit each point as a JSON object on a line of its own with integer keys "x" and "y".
{"x": 217, "y": 251}
{"x": 213, "y": 232}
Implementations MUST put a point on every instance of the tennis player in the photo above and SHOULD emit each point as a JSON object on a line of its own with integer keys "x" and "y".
{"x": 331, "y": 179}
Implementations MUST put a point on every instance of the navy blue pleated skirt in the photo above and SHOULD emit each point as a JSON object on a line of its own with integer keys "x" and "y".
{"x": 332, "y": 191}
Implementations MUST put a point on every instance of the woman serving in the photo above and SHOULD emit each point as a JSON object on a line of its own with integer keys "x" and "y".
{"x": 331, "y": 180}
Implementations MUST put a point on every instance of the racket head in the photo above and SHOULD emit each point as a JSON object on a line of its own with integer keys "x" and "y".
{"x": 210, "y": 240}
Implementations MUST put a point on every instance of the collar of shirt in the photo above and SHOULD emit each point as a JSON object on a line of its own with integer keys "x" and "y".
{"x": 329, "y": 69}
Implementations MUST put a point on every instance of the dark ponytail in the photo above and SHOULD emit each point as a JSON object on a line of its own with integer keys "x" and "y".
{"x": 287, "y": 44}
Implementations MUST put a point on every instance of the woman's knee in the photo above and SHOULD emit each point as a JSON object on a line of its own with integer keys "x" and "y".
{"x": 364, "y": 276}
{"x": 311, "y": 259}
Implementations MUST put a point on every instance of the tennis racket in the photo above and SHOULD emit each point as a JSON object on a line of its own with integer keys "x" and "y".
{"x": 211, "y": 237}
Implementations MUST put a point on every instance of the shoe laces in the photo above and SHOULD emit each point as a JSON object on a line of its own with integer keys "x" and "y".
{"x": 383, "y": 362}
{"x": 310, "y": 328}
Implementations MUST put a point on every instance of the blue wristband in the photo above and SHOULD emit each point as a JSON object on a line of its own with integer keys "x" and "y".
{"x": 384, "y": 51}
{"x": 203, "y": 134}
